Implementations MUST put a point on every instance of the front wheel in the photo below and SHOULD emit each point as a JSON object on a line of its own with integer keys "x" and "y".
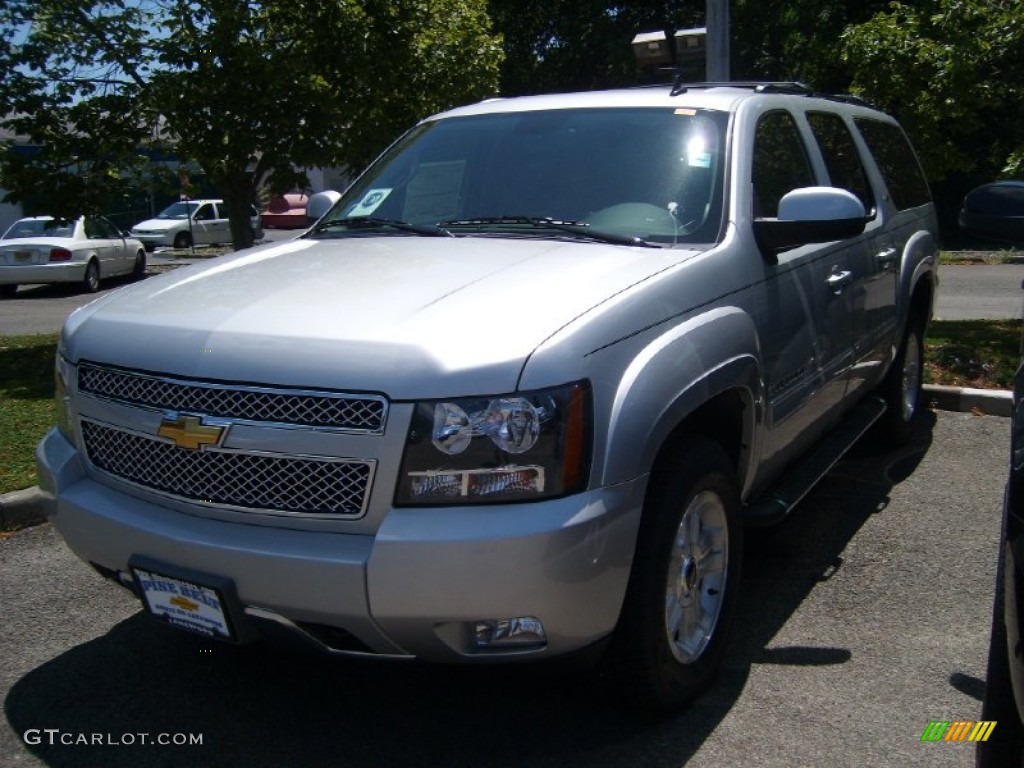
{"x": 182, "y": 240}
{"x": 8, "y": 291}
{"x": 682, "y": 589}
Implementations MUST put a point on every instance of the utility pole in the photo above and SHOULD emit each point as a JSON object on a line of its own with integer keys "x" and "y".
{"x": 717, "y": 23}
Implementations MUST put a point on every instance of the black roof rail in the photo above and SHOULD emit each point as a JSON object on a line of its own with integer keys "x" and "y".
{"x": 763, "y": 86}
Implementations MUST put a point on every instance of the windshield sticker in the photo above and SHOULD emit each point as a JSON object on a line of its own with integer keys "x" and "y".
{"x": 434, "y": 193}
{"x": 371, "y": 202}
{"x": 687, "y": 112}
{"x": 697, "y": 155}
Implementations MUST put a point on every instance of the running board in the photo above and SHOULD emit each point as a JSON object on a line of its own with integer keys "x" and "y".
{"x": 779, "y": 500}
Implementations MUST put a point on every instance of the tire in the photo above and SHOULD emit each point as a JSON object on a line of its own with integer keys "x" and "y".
{"x": 91, "y": 281}
{"x": 139, "y": 269}
{"x": 1005, "y": 747}
{"x": 182, "y": 240}
{"x": 682, "y": 590}
{"x": 8, "y": 291}
{"x": 901, "y": 388}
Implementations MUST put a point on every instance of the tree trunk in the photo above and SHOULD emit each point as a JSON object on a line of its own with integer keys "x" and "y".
{"x": 238, "y": 196}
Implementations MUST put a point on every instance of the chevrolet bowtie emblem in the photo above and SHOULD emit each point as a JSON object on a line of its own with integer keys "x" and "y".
{"x": 189, "y": 432}
{"x": 184, "y": 603}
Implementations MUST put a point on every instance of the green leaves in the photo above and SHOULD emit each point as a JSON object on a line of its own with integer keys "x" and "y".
{"x": 249, "y": 92}
{"x": 952, "y": 72}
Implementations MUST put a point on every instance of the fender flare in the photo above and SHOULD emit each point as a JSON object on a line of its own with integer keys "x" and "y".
{"x": 672, "y": 377}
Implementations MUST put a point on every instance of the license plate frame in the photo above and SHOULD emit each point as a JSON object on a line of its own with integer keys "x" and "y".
{"x": 201, "y": 603}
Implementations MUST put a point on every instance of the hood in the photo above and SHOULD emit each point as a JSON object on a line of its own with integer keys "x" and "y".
{"x": 410, "y": 317}
{"x": 159, "y": 225}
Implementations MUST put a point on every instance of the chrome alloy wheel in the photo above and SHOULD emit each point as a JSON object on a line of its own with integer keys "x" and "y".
{"x": 696, "y": 577}
{"x": 910, "y": 386}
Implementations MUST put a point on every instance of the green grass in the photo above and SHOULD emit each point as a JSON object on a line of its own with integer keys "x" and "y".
{"x": 969, "y": 353}
{"x": 1007, "y": 255}
{"x": 27, "y": 409}
{"x": 973, "y": 353}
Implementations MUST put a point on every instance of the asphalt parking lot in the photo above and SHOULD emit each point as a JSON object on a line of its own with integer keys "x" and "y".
{"x": 863, "y": 617}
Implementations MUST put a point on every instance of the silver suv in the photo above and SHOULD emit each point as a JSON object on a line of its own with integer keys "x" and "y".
{"x": 519, "y": 392}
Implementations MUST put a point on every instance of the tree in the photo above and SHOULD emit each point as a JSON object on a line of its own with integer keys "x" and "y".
{"x": 951, "y": 70}
{"x": 787, "y": 41}
{"x": 567, "y": 45}
{"x": 248, "y": 91}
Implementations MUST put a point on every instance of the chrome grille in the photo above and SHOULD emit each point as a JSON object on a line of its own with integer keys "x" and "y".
{"x": 356, "y": 413}
{"x": 250, "y": 481}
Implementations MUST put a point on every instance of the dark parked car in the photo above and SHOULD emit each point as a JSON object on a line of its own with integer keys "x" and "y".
{"x": 1004, "y": 690}
{"x": 995, "y": 211}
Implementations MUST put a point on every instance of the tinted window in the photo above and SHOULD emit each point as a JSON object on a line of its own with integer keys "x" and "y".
{"x": 44, "y": 227}
{"x": 997, "y": 200}
{"x": 206, "y": 213}
{"x": 845, "y": 169}
{"x": 897, "y": 162}
{"x": 780, "y": 162}
{"x": 653, "y": 173}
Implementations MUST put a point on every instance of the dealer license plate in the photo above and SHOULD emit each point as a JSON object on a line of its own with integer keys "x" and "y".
{"x": 185, "y": 604}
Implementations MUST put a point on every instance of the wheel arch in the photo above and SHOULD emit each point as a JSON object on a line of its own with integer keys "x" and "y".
{"x": 918, "y": 280}
{"x": 703, "y": 377}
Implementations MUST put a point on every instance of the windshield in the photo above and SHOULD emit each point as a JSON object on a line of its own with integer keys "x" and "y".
{"x": 650, "y": 173}
{"x": 40, "y": 227}
{"x": 177, "y": 210}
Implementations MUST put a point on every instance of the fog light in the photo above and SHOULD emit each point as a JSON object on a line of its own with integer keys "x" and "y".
{"x": 520, "y": 632}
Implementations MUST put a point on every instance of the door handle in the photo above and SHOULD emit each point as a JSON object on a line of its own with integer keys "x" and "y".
{"x": 886, "y": 258}
{"x": 838, "y": 281}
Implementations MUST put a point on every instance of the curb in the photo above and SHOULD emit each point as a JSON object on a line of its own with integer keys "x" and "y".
{"x": 20, "y": 509}
{"x": 991, "y": 402}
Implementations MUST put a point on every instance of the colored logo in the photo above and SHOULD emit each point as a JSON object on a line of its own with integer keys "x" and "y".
{"x": 184, "y": 603}
{"x": 958, "y": 730}
{"x": 190, "y": 432}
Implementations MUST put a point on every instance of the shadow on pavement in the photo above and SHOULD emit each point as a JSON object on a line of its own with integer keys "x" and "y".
{"x": 260, "y": 706}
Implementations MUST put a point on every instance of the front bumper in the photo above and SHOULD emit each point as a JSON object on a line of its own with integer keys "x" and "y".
{"x": 61, "y": 272}
{"x": 152, "y": 239}
{"x": 414, "y": 588}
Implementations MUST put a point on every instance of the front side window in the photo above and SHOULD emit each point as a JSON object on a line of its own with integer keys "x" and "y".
{"x": 780, "y": 162}
{"x": 845, "y": 169}
{"x": 206, "y": 213}
{"x": 654, "y": 174}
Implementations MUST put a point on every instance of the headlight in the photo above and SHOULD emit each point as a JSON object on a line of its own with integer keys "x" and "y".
{"x": 519, "y": 447}
{"x": 63, "y": 373}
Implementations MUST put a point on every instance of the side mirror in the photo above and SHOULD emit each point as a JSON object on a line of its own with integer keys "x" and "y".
{"x": 319, "y": 204}
{"x": 810, "y": 215}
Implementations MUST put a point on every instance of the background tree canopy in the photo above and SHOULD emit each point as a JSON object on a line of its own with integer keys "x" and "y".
{"x": 248, "y": 91}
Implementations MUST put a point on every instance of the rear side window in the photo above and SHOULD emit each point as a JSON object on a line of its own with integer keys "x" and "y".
{"x": 845, "y": 169}
{"x": 897, "y": 162}
{"x": 780, "y": 162}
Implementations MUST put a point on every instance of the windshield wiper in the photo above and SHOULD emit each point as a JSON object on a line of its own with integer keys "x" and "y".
{"x": 370, "y": 222}
{"x": 579, "y": 229}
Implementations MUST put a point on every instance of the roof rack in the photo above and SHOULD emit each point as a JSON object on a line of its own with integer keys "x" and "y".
{"x": 759, "y": 86}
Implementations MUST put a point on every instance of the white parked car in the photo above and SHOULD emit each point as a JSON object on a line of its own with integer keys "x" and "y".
{"x": 191, "y": 222}
{"x": 43, "y": 249}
